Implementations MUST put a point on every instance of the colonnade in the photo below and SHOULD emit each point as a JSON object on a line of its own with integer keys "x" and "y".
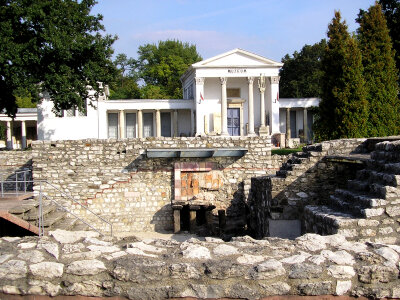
{"x": 139, "y": 120}
{"x": 9, "y": 141}
{"x": 261, "y": 86}
{"x": 305, "y": 124}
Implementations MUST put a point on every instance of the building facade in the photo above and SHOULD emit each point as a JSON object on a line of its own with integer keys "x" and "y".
{"x": 232, "y": 94}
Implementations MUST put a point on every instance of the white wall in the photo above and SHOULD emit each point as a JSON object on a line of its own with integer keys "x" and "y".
{"x": 51, "y": 127}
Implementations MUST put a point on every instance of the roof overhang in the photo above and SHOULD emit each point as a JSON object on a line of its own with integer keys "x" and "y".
{"x": 196, "y": 152}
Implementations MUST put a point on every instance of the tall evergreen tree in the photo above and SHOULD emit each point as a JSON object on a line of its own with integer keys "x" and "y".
{"x": 380, "y": 73}
{"x": 343, "y": 109}
{"x": 391, "y": 10}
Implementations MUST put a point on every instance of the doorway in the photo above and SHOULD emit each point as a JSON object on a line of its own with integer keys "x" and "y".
{"x": 234, "y": 121}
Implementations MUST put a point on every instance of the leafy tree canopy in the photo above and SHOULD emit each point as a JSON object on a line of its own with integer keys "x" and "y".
{"x": 125, "y": 84}
{"x": 53, "y": 46}
{"x": 301, "y": 73}
{"x": 162, "y": 66}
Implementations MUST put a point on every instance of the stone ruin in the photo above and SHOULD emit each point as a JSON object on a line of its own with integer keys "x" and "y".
{"x": 344, "y": 190}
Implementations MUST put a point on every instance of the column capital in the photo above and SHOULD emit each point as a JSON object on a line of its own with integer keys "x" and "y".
{"x": 223, "y": 80}
{"x": 199, "y": 80}
{"x": 250, "y": 80}
{"x": 274, "y": 79}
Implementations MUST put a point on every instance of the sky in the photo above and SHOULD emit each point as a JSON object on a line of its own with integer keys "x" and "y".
{"x": 271, "y": 28}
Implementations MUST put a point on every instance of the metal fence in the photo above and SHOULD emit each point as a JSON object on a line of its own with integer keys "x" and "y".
{"x": 18, "y": 183}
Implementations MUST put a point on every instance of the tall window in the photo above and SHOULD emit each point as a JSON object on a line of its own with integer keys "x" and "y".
{"x": 147, "y": 124}
{"x": 130, "y": 126}
{"x": 112, "y": 125}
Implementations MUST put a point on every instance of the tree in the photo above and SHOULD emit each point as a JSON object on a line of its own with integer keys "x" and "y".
{"x": 52, "y": 46}
{"x": 343, "y": 110}
{"x": 380, "y": 73}
{"x": 125, "y": 85}
{"x": 162, "y": 65}
{"x": 391, "y": 10}
{"x": 301, "y": 74}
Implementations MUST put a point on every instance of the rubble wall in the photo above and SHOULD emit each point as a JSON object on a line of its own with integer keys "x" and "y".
{"x": 82, "y": 263}
{"x": 116, "y": 180}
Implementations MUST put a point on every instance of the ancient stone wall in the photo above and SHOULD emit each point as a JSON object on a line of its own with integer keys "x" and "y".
{"x": 14, "y": 160}
{"x": 115, "y": 179}
{"x": 314, "y": 179}
{"x": 82, "y": 263}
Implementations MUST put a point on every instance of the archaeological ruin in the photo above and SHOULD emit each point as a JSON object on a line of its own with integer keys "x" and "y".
{"x": 324, "y": 221}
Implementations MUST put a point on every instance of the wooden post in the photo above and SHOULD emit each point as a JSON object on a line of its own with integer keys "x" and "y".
{"x": 193, "y": 225}
{"x": 209, "y": 221}
{"x": 221, "y": 220}
{"x": 177, "y": 217}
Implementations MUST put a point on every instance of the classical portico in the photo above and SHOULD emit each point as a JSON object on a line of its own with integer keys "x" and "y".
{"x": 235, "y": 93}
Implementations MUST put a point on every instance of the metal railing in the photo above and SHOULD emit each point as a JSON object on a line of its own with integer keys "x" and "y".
{"x": 15, "y": 183}
{"x": 23, "y": 183}
{"x": 40, "y": 210}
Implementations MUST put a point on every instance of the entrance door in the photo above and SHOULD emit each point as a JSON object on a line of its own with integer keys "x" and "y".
{"x": 234, "y": 121}
{"x": 165, "y": 124}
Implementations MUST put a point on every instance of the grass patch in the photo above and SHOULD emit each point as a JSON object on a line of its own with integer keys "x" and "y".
{"x": 286, "y": 151}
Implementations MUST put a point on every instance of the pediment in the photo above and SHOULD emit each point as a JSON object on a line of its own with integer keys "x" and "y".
{"x": 237, "y": 58}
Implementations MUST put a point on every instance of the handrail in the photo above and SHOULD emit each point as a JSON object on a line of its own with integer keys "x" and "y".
{"x": 41, "y": 195}
{"x": 16, "y": 181}
{"x": 72, "y": 199}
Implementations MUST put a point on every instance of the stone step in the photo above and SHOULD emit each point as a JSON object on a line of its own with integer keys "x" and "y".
{"x": 372, "y": 176}
{"x": 359, "y": 199}
{"x": 32, "y": 215}
{"x": 344, "y": 206}
{"x": 385, "y": 156}
{"x": 50, "y": 219}
{"x": 325, "y": 220}
{"x": 24, "y": 207}
{"x": 375, "y": 190}
{"x": 66, "y": 223}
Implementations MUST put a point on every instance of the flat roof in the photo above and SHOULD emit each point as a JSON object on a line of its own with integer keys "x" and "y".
{"x": 196, "y": 152}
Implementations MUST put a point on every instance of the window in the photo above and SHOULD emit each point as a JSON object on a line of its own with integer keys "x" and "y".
{"x": 190, "y": 92}
{"x": 130, "y": 125}
{"x": 233, "y": 92}
{"x": 112, "y": 125}
{"x": 147, "y": 124}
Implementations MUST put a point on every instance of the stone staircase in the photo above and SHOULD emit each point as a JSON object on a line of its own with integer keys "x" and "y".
{"x": 53, "y": 217}
{"x": 369, "y": 208}
{"x": 297, "y": 165}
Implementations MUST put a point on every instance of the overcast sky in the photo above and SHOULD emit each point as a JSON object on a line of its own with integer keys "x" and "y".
{"x": 271, "y": 28}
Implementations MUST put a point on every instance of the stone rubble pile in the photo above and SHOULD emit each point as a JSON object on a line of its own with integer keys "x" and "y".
{"x": 83, "y": 263}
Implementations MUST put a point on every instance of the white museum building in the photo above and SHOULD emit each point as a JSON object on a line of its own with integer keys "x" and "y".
{"x": 232, "y": 94}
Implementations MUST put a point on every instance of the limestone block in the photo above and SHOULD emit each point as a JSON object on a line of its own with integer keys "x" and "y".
{"x": 248, "y": 259}
{"x": 224, "y": 250}
{"x": 47, "y": 269}
{"x": 342, "y": 287}
{"x": 33, "y": 256}
{"x": 377, "y": 273}
{"x": 13, "y": 269}
{"x": 341, "y": 272}
{"x": 314, "y": 289}
{"x": 305, "y": 271}
{"x": 86, "y": 267}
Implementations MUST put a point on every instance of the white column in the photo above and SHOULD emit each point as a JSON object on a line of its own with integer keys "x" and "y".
{"x": 9, "y": 136}
{"x": 224, "y": 108}
{"x": 158, "y": 123}
{"x": 175, "y": 123}
{"x": 121, "y": 120}
{"x": 305, "y": 125}
{"x": 251, "y": 132}
{"x": 274, "y": 104}
{"x": 140, "y": 123}
{"x": 23, "y": 135}
{"x": 288, "y": 131}
{"x": 201, "y": 108}
{"x": 192, "y": 118}
{"x": 263, "y": 130}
